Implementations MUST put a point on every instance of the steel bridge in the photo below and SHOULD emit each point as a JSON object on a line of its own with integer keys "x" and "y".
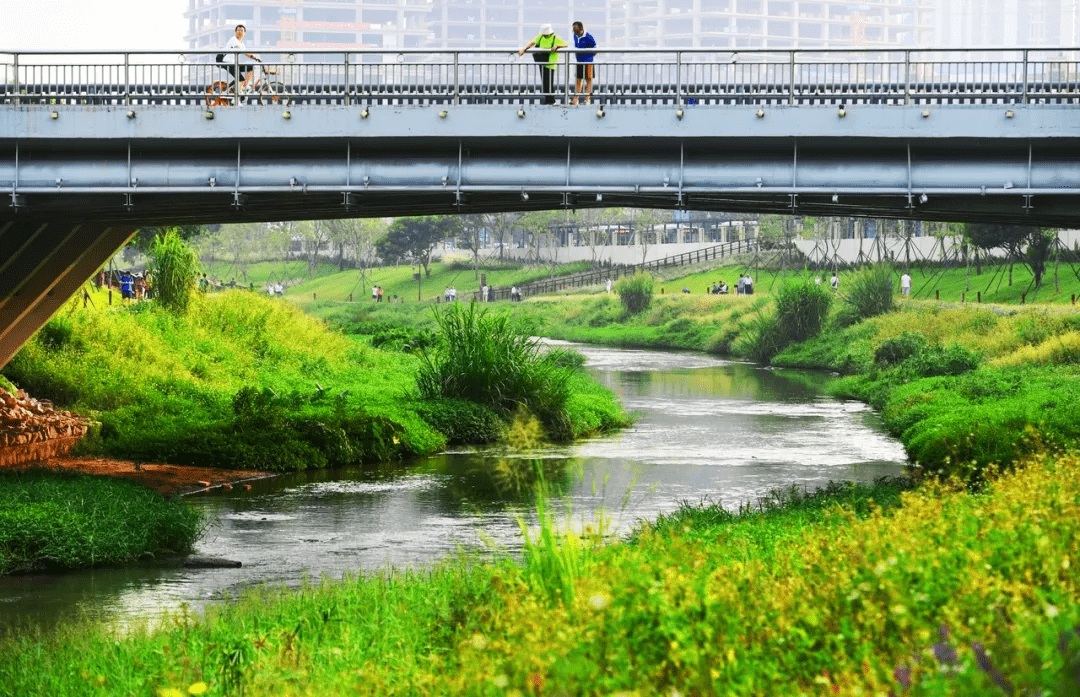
{"x": 95, "y": 145}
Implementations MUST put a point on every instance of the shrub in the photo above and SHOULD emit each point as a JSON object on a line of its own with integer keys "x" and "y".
{"x": 899, "y": 348}
{"x": 488, "y": 359}
{"x": 869, "y": 292}
{"x": 462, "y": 421}
{"x": 174, "y": 268}
{"x": 403, "y": 339}
{"x": 953, "y": 359}
{"x": 801, "y": 310}
{"x": 635, "y": 292}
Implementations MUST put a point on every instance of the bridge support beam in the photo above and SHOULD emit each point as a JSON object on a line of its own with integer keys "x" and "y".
{"x": 44, "y": 265}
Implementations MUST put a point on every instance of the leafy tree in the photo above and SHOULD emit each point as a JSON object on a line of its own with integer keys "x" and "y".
{"x": 772, "y": 226}
{"x": 360, "y": 236}
{"x": 1028, "y": 243}
{"x": 645, "y": 222}
{"x": 412, "y": 240}
{"x": 473, "y": 227}
{"x": 537, "y": 224}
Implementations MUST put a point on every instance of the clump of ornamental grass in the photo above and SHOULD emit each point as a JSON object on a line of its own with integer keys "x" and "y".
{"x": 488, "y": 358}
{"x": 635, "y": 292}
{"x": 801, "y": 312}
{"x": 866, "y": 294}
{"x": 174, "y": 268}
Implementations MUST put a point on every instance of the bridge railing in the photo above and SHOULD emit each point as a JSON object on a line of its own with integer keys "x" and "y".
{"x": 680, "y": 77}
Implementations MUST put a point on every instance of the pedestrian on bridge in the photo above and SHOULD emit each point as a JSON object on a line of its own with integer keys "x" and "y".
{"x": 547, "y": 58}
{"x": 583, "y": 39}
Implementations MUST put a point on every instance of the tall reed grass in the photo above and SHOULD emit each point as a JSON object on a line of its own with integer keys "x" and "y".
{"x": 174, "y": 268}
{"x": 488, "y": 358}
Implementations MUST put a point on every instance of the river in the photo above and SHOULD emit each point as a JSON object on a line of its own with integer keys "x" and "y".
{"x": 707, "y": 428}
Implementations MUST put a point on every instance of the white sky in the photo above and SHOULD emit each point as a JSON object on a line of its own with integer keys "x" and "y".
{"x": 111, "y": 25}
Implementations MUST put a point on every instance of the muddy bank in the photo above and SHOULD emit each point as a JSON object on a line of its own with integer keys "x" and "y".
{"x": 168, "y": 480}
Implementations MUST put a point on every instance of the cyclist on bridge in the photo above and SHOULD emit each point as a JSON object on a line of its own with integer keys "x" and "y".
{"x": 236, "y": 43}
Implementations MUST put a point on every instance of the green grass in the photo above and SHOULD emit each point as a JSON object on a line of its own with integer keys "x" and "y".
{"x": 53, "y": 522}
{"x": 397, "y": 281}
{"x": 845, "y": 590}
{"x": 248, "y": 382}
{"x": 798, "y": 596}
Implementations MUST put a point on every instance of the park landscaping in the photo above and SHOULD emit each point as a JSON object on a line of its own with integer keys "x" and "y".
{"x": 962, "y": 582}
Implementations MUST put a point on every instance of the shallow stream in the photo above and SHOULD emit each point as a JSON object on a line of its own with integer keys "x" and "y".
{"x": 707, "y": 428}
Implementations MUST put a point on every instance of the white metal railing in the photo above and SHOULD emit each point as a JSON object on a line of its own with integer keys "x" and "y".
{"x": 683, "y": 77}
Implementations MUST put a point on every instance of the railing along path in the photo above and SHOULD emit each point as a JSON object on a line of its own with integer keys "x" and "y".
{"x": 617, "y": 271}
{"x": 684, "y": 77}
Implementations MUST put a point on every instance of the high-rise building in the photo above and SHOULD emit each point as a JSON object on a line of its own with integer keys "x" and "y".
{"x": 781, "y": 24}
{"x": 1008, "y": 23}
{"x": 277, "y": 26}
{"x": 336, "y": 25}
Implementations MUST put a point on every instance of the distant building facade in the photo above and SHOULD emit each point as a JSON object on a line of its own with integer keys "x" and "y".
{"x": 278, "y": 26}
{"x": 337, "y": 25}
{"x": 1025, "y": 23}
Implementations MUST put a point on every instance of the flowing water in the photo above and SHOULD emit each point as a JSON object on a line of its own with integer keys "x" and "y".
{"x": 706, "y": 429}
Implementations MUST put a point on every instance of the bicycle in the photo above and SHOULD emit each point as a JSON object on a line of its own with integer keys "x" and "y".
{"x": 268, "y": 92}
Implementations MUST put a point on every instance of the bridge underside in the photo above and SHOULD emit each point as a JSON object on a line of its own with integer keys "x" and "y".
{"x": 79, "y": 180}
{"x": 42, "y": 264}
{"x": 153, "y": 182}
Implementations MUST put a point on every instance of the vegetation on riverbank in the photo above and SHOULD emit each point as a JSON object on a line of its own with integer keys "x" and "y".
{"x": 52, "y": 522}
{"x": 948, "y": 592}
{"x": 964, "y": 386}
{"x": 942, "y": 589}
{"x": 246, "y": 382}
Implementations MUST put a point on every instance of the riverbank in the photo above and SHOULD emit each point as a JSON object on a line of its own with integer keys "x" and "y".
{"x": 963, "y": 386}
{"x": 846, "y": 592}
{"x": 246, "y": 384}
{"x": 167, "y": 480}
{"x": 958, "y": 589}
{"x": 54, "y": 521}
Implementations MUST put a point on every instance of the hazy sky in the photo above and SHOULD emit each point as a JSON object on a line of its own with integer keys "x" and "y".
{"x": 113, "y": 25}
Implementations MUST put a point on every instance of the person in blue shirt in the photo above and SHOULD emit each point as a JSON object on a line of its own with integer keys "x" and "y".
{"x": 127, "y": 285}
{"x": 583, "y": 39}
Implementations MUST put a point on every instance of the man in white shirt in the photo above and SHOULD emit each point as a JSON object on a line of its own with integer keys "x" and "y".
{"x": 236, "y": 43}
{"x": 905, "y": 284}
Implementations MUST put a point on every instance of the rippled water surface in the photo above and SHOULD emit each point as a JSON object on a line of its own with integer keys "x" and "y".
{"x": 707, "y": 428}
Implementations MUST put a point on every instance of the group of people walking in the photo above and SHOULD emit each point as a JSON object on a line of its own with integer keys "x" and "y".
{"x": 547, "y": 44}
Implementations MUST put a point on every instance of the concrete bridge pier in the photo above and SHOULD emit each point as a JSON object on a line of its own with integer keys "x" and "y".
{"x": 42, "y": 264}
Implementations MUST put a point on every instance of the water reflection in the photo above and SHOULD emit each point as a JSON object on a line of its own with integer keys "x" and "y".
{"x": 706, "y": 428}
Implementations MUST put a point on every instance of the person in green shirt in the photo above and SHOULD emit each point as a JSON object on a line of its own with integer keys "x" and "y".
{"x": 547, "y": 42}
